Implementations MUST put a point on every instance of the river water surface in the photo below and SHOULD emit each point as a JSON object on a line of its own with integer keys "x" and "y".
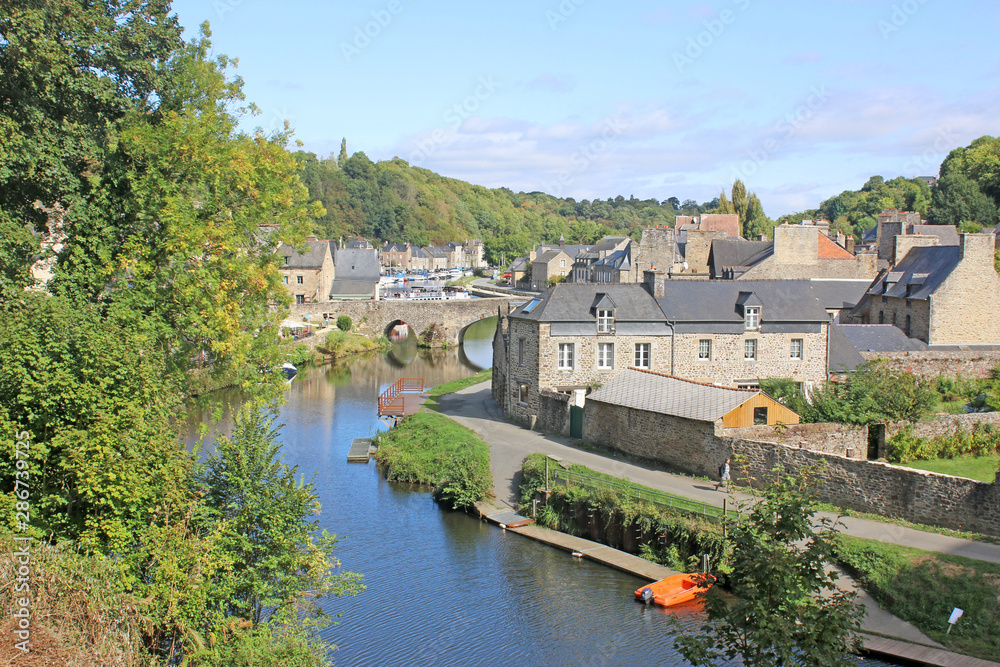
{"x": 444, "y": 588}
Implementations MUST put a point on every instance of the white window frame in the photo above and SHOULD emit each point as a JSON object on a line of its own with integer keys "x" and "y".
{"x": 751, "y": 317}
{"x": 299, "y": 280}
{"x": 750, "y": 349}
{"x": 565, "y": 353}
{"x": 794, "y": 353}
{"x": 705, "y": 349}
{"x": 605, "y": 321}
{"x": 643, "y": 352}
{"x": 605, "y": 355}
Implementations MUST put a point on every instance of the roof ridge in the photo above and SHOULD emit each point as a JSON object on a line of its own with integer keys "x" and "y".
{"x": 703, "y": 384}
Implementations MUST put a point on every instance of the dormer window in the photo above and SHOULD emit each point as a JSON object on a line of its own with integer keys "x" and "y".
{"x": 605, "y": 321}
{"x": 751, "y": 317}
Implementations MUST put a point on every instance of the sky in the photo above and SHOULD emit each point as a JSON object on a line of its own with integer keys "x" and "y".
{"x": 800, "y": 99}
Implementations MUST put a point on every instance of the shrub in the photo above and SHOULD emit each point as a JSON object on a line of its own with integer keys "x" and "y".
{"x": 984, "y": 439}
{"x": 344, "y": 323}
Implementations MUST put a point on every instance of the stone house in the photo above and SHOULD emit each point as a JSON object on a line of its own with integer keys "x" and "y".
{"x": 798, "y": 252}
{"x": 395, "y": 256}
{"x": 615, "y": 268}
{"x": 438, "y": 257}
{"x": 677, "y": 417}
{"x": 941, "y": 295}
{"x": 474, "y": 253}
{"x": 307, "y": 276}
{"x": 572, "y": 337}
{"x": 732, "y": 333}
{"x": 419, "y": 260}
{"x": 586, "y": 258}
{"x": 549, "y": 265}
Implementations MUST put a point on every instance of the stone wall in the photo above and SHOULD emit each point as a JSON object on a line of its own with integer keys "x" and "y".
{"x": 866, "y": 486}
{"x": 965, "y": 309}
{"x": 840, "y": 439}
{"x": 894, "y": 310}
{"x": 944, "y": 424}
{"x": 553, "y": 412}
{"x": 930, "y": 364}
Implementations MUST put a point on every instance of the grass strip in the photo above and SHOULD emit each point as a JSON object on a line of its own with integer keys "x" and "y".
{"x": 455, "y": 385}
{"x": 428, "y": 448}
{"x": 982, "y": 468}
{"x": 923, "y": 587}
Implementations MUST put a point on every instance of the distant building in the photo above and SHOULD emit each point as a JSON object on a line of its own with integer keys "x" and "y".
{"x": 356, "y": 274}
{"x": 307, "y": 276}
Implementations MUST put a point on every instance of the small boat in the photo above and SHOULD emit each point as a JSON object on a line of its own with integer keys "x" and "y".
{"x": 674, "y": 590}
{"x": 288, "y": 370}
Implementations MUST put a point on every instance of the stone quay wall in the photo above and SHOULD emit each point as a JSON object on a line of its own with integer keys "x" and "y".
{"x": 931, "y": 364}
{"x": 840, "y": 439}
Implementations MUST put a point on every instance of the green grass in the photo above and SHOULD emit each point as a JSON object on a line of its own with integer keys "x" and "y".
{"x": 428, "y": 448}
{"x": 453, "y": 386}
{"x": 922, "y": 587}
{"x": 983, "y": 468}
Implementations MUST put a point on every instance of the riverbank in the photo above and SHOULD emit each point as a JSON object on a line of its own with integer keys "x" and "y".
{"x": 510, "y": 444}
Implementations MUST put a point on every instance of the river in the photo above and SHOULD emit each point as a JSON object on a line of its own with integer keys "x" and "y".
{"x": 442, "y": 587}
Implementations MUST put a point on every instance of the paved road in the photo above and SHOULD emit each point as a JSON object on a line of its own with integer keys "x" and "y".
{"x": 510, "y": 443}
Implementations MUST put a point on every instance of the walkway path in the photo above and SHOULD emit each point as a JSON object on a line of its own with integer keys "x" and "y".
{"x": 510, "y": 444}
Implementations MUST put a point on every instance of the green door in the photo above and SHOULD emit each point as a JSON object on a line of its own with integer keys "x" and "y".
{"x": 575, "y": 421}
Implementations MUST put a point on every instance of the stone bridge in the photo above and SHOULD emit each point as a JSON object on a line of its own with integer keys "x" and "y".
{"x": 436, "y": 323}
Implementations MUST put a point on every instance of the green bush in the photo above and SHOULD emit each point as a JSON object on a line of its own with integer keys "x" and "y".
{"x": 903, "y": 447}
{"x": 344, "y": 323}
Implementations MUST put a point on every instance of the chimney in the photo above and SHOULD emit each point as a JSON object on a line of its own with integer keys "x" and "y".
{"x": 562, "y": 241}
{"x": 976, "y": 248}
{"x": 652, "y": 281}
{"x": 850, "y": 244}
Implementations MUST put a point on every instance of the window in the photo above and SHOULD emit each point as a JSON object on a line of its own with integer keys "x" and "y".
{"x": 562, "y": 263}
{"x": 300, "y": 298}
{"x": 759, "y": 416}
{"x": 565, "y": 356}
{"x": 751, "y": 317}
{"x": 907, "y": 326}
{"x": 795, "y": 352}
{"x": 881, "y": 317}
{"x": 750, "y": 349}
{"x": 520, "y": 352}
{"x": 704, "y": 350}
{"x": 522, "y": 393}
{"x": 748, "y": 384}
{"x": 605, "y": 355}
{"x": 605, "y": 321}
{"x": 286, "y": 280}
{"x": 642, "y": 355}
{"x": 298, "y": 280}
{"x": 286, "y": 260}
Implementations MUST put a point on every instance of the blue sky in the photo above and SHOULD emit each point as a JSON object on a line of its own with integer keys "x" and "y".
{"x": 592, "y": 99}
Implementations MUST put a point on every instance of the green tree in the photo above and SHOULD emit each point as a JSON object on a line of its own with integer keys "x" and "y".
{"x": 724, "y": 205}
{"x": 756, "y": 222}
{"x": 344, "y": 323}
{"x": 342, "y": 157}
{"x": 741, "y": 201}
{"x": 263, "y": 515}
{"x": 875, "y": 392}
{"x": 956, "y": 198}
{"x": 787, "y": 608}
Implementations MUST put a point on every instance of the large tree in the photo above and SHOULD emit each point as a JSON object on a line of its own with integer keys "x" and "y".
{"x": 786, "y": 609}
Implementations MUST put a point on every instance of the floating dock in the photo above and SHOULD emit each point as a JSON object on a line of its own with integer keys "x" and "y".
{"x": 361, "y": 451}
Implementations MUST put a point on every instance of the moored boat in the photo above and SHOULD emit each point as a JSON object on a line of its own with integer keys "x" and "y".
{"x": 674, "y": 590}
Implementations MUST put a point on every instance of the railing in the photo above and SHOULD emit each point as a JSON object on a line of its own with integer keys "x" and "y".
{"x": 686, "y": 505}
{"x": 391, "y": 401}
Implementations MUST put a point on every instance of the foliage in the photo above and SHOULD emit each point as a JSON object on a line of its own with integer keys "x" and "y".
{"x": 787, "y": 392}
{"x": 262, "y": 515}
{"x": 100, "y": 415}
{"x": 982, "y": 440}
{"x": 298, "y": 354}
{"x": 968, "y": 189}
{"x": 428, "y": 448}
{"x": 874, "y": 393}
{"x": 344, "y": 323}
{"x": 923, "y": 587}
{"x": 787, "y": 610}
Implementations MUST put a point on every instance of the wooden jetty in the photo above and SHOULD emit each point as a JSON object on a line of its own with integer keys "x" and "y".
{"x": 399, "y": 401}
{"x": 361, "y": 451}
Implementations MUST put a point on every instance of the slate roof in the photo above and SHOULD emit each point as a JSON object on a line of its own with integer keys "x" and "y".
{"x": 437, "y": 251}
{"x": 572, "y": 302}
{"x": 352, "y": 288}
{"x": 417, "y": 252}
{"x": 728, "y": 253}
{"x": 937, "y": 262}
{"x": 947, "y": 233}
{"x": 878, "y": 338}
{"x": 668, "y": 395}
{"x": 519, "y": 264}
{"x": 843, "y": 356}
{"x": 394, "y": 247}
{"x": 548, "y": 256}
{"x": 608, "y": 243}
{"x": 571, "y": 250}
{"x": 311, "y": 259}
{"x": 839, "y": 294}
{"x": 870, "y": 235}
{"x": 356, "y": 264}
{"x": 715, "y": 300}
{"x": 620, "y": 260}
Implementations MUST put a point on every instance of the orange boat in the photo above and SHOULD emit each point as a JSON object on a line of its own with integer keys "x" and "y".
{"x": 674, "y": 590}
